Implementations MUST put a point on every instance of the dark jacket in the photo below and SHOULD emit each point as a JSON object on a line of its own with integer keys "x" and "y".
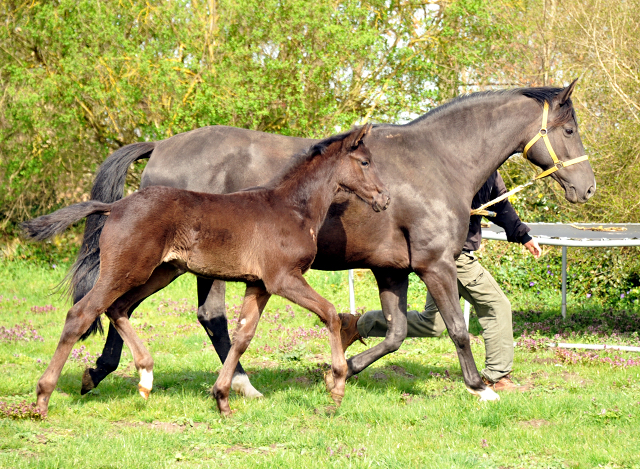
{"x": 507, "y": 218}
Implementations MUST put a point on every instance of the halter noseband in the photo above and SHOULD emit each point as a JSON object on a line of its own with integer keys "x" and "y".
{"x": 557, "y": 164}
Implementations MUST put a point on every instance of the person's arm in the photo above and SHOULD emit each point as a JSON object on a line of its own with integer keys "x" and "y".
{"x": 507, "y": 218}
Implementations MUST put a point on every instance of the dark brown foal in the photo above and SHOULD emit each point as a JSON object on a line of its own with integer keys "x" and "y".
{"x": 265, "y": 237}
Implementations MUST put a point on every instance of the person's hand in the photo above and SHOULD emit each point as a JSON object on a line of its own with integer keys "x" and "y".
{"x": 534, "y": 248}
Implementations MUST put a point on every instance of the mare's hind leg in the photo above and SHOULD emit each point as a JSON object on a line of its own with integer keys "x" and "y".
{"x": 212, "y": 316}
{"x": 78, "y": 320}
{"x": 295, "y": 288}
{"x": 162, "y": 276}
{"x": 393, "y": 286}
{"x": 255, "y": 299}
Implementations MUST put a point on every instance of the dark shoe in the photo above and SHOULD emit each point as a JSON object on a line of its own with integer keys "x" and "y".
{"x": 504, "y": 384}
{"x": 349, "y": 330}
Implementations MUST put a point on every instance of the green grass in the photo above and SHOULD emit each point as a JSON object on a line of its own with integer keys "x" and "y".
{"x": 409, "y": 409}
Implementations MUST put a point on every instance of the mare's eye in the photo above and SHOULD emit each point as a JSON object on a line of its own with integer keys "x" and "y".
{"x": 568, "y": 131}
{"x": 364, "y": 163}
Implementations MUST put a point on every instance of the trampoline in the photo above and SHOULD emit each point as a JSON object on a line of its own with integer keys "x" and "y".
{"x": 574, "y": 235}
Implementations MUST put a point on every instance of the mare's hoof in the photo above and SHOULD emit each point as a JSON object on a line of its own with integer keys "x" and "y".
{"x": 87, "y": 382}
{"x": 487, "y": 394}
{"x": 241, "y": 385}
{"x": 144, "y": 392}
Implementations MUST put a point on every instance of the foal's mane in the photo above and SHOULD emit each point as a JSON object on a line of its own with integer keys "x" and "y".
{"x": 317, "y": 149}
{"x": 539, "y": 94}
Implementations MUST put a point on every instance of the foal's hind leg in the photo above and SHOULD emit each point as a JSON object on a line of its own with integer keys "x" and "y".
{"x": 295, "y": 288}
{"x": 78, "y": 320}
{"x": 108, "y": 361}
{"x": 212, "y": 317}
{"x": 162, "y": 276}
{"x": 255, "y": 299}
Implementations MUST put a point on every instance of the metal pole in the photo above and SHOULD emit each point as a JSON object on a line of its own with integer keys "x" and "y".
{"x": 467, "y": 311}
{"x": 352, "y": 295}
{"x": 564, "y": 282}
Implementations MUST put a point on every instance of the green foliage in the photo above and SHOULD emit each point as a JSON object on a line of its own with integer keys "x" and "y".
{"x": 79, "y": 79}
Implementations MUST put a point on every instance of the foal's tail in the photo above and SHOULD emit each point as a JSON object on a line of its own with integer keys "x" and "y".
{"x": 108, "y": 187}
{"x": 47, "y": 226}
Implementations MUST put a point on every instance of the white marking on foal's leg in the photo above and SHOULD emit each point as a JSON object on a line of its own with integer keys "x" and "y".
{"x": 146, "y": 383}
{"x": 487, "y": 394}
{"x": 240, "y": 384}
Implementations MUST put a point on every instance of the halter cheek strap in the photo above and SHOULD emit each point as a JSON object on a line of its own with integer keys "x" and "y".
{"x": 542, "y": 133}
{"x": 557, "y": 164}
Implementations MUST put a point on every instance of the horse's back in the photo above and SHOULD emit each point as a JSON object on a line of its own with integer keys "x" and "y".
{"x": 219, "y": 159}
{"x": 224, "y": 236}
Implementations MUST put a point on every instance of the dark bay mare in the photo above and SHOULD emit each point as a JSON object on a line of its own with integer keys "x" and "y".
{"x": 265, "y": 237}
{"x": 433, "y": 166}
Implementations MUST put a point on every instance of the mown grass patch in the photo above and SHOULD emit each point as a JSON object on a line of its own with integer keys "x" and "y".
{"x": 409, "y": 409}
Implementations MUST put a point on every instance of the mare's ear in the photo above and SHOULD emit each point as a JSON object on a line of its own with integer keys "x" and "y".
{"x": 565, "y": 94}
{"x": 360, "y": 135}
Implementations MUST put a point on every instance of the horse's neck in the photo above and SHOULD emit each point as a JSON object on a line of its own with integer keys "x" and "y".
{"x": 495, "y": 128}
{"x": 309, "y": 188}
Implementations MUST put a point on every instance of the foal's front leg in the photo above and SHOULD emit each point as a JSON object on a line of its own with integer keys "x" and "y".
{"x": 212, "y": 317}
{"x": 255, "y": 299}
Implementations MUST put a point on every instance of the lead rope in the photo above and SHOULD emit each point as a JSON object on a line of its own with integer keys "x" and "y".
{"x": 557, "y": 164}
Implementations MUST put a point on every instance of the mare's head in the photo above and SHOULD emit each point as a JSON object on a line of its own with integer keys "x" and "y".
{"x": 571, "y": 171}
{"x": 356, "y": 172}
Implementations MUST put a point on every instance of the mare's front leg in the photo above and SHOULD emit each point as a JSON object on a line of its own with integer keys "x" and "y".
{"x": 393, "y": 285}
{"x": 255, "y": 299}
{"x": 295, "y": 288}
{"x": 212, "y": 317}
{"x": 441, "y": 278}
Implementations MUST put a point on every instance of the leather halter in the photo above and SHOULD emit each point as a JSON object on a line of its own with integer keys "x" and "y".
{"x": 557, "y": 164}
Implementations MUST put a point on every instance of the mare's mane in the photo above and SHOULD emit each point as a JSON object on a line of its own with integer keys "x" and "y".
{"x": 539, "y": 94}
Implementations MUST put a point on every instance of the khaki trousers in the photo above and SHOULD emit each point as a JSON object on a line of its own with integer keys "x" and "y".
{"x": 478, "y": 287}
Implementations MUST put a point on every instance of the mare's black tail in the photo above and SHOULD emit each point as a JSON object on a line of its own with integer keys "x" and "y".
{"x": 108, "y": 187}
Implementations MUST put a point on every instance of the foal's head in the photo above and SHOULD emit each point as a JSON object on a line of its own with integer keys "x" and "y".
{"x": 357, "y": 173}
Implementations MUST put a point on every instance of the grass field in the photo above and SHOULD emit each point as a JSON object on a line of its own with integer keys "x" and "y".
{"x": 409, "y": 409}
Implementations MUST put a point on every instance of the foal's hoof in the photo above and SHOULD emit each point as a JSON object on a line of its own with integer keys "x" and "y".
{"x": 87, "y": 382}
{"x": 223, "y": 407}
{"x": 487, "y": 394}
{"x": 146, "y": 383}
{"x": 329, "y": 382}
{"x": 42, "y": 407}
{"x": 144, "y": 392}
{"x": 337, "y": 398}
